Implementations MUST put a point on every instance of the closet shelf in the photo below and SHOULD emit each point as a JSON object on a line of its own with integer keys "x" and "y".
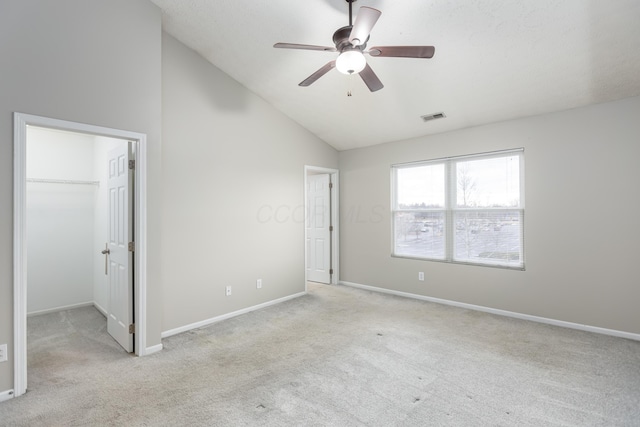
{"x": 63, "y": 181}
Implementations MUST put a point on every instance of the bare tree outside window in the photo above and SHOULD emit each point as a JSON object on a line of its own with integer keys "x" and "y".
{"x": 466, "y": 186}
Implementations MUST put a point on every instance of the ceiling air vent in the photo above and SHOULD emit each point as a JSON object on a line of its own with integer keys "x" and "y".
{"x": 434, "y": 116}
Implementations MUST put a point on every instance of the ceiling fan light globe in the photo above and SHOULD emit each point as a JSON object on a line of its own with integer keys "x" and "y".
{"x": 351, "y": 62}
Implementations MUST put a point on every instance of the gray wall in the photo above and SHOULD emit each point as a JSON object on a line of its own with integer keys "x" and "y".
{"x": 89, "y": 61}
{"x": 581, "y": 218}
{"x": 227, "y": 155}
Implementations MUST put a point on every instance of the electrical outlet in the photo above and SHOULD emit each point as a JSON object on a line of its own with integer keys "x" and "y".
{"x": 3, "y": 352}
{"x": 421, "y": 276}
{"x": 259, "y": 283}
{"x": 228, "y": 290}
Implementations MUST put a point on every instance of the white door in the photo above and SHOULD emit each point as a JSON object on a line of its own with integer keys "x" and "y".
{"x": 318, "y": 228}
{"x": 120, "y": 312}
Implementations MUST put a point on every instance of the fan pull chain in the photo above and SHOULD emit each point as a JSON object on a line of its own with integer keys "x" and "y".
{"x": 349, "y": 93}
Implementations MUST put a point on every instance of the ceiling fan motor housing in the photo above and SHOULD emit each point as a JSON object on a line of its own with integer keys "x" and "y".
{"x": 341, "y": 39}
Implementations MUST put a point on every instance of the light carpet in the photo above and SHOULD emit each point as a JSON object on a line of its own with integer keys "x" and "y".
{"x": 337, "y": 356}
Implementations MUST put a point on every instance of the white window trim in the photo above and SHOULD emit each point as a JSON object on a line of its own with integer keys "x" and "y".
{"x": 450, "y": 209}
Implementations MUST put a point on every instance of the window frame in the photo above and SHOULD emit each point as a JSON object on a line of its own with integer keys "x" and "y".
{"x": 450, "y": 209}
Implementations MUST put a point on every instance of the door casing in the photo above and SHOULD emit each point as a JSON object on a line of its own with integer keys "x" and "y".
{"x": 335, "y": 237}
{"x": 21, "y": 121}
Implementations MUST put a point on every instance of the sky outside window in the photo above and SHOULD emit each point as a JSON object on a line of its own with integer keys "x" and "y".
{"x": 488, "y": 182}
{"x": 421, "y": 186}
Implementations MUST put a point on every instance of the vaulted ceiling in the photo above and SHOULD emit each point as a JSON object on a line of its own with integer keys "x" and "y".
{"x": 494, "y": 60}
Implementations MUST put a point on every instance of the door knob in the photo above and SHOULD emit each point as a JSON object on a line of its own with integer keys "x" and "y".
{"x": 106, "y": 252}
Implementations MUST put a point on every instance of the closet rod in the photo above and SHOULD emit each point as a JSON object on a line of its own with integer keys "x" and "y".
{"x": 63, "y": 181}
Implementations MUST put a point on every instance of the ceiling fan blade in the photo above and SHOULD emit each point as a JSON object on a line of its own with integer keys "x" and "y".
{"x": 403, "y": 51}
{"x": 303, "y": 47}
{"x": 366, "y": 19}
{"x": 370, "y": 79}
{"x": 321, "y": 72}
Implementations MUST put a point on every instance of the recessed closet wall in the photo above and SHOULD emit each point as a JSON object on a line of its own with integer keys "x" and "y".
{"x": 66, "y": 220}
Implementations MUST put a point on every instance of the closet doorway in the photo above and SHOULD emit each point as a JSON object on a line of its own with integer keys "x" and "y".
{"x": 78, "y": 233}
{"x": 75, "y": 198}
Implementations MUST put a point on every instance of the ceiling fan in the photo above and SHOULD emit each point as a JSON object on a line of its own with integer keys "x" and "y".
{"x": 351, "y": 42}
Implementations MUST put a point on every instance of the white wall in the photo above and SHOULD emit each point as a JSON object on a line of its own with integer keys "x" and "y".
{"x": 67, "y": 223}
{"x": 93, "y": 61}
{"x": 60, "y": 233}
{"x": 581, "y": 218}
{"x": 226, "y": 155}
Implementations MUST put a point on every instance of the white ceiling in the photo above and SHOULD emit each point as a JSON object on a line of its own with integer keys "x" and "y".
{"x": 495, "y": 59}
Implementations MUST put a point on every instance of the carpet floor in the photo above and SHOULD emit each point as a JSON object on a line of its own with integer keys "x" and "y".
{"x": 337, "y": 356}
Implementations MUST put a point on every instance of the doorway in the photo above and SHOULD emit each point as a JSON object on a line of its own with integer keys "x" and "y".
{"x": 22, "y": 124}
{"x": 77, "y": 247}
{"x": 321, "y": 225}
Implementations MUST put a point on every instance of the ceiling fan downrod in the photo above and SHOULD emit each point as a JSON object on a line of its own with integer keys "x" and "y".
{"x": 350, "y": 12}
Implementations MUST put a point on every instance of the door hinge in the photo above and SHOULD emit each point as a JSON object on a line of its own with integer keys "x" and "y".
{"x": 132, "y": 246}
{"x": 330, "y": 185}
{"x": 331, "y": 271}
{"x": 331, "y": 228}
{"x": 132, "y": 328}
{"x": 132, "y": 164}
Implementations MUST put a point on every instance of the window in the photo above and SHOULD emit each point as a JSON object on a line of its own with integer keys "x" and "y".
{"x": 466, "y": 209}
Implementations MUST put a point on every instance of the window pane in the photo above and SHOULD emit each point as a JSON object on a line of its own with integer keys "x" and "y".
{"x": 488, "y": 237}
{"x": 493, "y": 182}
{"x": 461, "y": 209}
{"x": 420, "y": 187}
{"x": 419, "y": 234}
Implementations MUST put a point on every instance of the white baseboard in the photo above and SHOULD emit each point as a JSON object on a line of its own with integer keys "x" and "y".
{"x": 152, "y": 349}
{"x": 598, "y": 330}
{"x": 56, "y": 309}
{"x": 207, "y": 322}
{"x": 100, "y": 308}
{"x": 6, "y": 395}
